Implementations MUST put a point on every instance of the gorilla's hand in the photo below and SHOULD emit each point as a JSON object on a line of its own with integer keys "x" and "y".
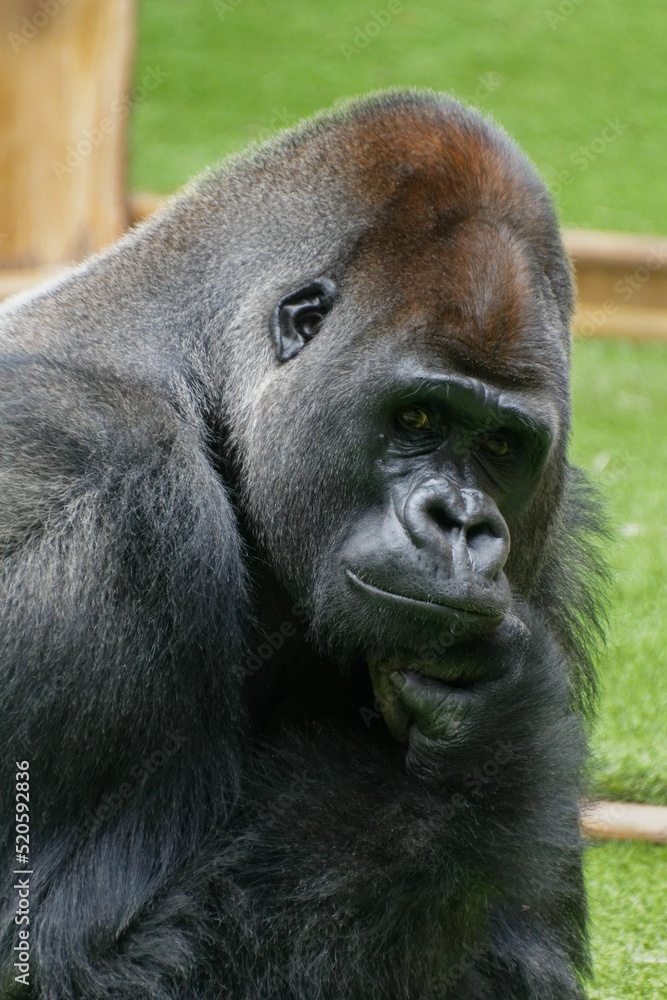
{"x": 456, "y": 707}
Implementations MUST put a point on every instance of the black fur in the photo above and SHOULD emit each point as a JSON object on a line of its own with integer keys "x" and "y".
{"x": 216, "y": 807}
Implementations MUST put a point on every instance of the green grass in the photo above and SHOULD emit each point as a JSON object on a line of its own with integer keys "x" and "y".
{"x": 555, "y": 86}
{"x": 620, "y": 411}
{"x": 628, "y": 888}
{"x": 619, "y": 434}
{"x": 261, "y": 64}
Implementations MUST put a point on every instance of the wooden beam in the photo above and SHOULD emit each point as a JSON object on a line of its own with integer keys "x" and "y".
{"x": 65, "y": 75}
{"x": 624, "y": 821}
{"x": 590, "y": 246}
{"x": 621, "y": 284}
{"x": 142, "y": 204}
{"x": 22, "y": 279}
{"x": 615, "y": 322}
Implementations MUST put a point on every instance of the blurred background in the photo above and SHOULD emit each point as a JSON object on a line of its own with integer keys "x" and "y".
{"x": 582, "y": 86}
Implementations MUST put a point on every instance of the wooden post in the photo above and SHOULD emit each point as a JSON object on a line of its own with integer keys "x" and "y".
{"x": 622, "y": 284}
{"x": 64, "y": 103}
{"x": 624, "y": 821}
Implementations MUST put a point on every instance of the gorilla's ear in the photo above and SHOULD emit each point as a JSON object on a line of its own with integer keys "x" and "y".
{"x": 297, "y": 317}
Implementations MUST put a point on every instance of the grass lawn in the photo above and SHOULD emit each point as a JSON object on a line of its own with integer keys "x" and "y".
{"x": 581, "y": 85}
{"x": 620, "y": 419}
{"x": 627, "y": 888}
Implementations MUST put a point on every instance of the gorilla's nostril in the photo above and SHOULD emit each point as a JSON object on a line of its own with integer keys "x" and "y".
{"x": 480, "y": 534}
{"x": 438, "y": 513}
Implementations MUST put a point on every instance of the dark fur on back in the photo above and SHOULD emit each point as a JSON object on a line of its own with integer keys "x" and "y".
{"x": 194, "y": 833}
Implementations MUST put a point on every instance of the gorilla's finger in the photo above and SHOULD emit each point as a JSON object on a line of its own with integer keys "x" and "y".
{"x": 438, "y": 710}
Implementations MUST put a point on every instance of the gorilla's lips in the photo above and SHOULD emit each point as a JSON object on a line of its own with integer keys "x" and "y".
{"x": 467, "y": 619}
{"x": 466, "y": 610}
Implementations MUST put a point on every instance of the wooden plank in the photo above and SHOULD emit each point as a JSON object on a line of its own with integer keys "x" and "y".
{"x": 623, "y": 249}
{"x": 624, "y": 821}
{"x": 142, "y": 204}
{"x": 22, "y": 279}
{"x": 620, "y": 271}
{"x": 608, "y": 319}
{"x": 621, "y": 284}
{"x": 64, "y": 84}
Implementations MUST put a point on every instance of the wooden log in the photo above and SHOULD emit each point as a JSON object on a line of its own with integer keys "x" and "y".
{"x": 143, "y": 204}
{"x": 64, "y": 103}
{"x": 591, "y": 246}
{"x": 614, "y": 322}
{"x": 621, "y": 284}
{"x": 624, "y": 821}
{"x": 23, "y": 279}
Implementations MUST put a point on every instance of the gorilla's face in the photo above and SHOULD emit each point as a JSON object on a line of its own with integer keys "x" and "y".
{"x": 456, "y": 456}
{"x": 404, "y": 473}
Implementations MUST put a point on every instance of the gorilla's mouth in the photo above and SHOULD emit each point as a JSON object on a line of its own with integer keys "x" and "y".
{"x": 463, "y": 607}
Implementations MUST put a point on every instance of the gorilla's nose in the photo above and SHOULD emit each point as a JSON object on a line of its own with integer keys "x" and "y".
{"x": 466, "y": 522}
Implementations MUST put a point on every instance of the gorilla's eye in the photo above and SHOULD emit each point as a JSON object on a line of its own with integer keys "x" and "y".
{"x": 496, "y": 445}
{"x": 413, "y": 418}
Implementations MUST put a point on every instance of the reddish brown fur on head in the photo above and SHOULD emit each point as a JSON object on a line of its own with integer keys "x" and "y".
{"x": 475, "y": 294}
{"x": 459, "y": 231}
{"x": 428, "y": 163}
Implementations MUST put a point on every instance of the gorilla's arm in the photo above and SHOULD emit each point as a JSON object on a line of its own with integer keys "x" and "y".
{"x": 122, "y": 589}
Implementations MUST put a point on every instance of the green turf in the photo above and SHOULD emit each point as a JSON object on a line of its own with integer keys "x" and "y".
{"x": 235, "y": 68}
{"x": 619, "y": 434}
{"x": 628, "y": 888}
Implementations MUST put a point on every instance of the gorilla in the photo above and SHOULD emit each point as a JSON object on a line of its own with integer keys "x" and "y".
{"x": 300, "y": 595}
